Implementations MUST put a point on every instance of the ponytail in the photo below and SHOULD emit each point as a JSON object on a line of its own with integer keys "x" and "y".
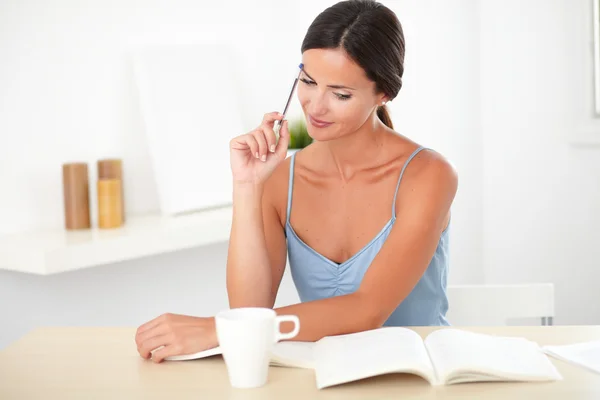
{"x": 384, "y": 116}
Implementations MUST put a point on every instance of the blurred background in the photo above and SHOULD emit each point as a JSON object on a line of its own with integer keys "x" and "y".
{"x": 504, "y": 89}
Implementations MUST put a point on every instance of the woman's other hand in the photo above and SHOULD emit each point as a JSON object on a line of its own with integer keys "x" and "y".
{"x": 177, "y": 335}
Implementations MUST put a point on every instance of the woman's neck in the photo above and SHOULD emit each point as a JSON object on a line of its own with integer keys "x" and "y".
{"x": 354, "y": 152}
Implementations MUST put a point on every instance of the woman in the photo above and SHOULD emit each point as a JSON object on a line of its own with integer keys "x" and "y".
{"x": 362, "y": 213}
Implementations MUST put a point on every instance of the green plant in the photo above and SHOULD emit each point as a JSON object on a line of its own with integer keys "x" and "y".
{"x": 299, "y": 137}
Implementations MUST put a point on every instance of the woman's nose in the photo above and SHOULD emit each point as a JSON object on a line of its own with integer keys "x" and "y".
{"x": 317, "y": 105}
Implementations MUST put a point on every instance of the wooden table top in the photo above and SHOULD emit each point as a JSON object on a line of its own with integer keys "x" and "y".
{"x": 103, "y": 363}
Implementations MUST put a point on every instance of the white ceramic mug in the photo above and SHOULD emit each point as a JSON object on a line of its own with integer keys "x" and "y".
{"x": 246, "y": 337}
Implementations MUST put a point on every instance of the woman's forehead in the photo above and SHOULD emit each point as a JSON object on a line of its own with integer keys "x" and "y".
{"x": 334, "y": 67}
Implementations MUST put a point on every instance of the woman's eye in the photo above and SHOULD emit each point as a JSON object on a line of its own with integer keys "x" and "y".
{"x": 307, "y": 81}
{"x": 342, "y": 96}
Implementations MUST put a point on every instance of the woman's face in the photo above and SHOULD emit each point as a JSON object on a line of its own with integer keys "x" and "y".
{"x": 335, "y": 94}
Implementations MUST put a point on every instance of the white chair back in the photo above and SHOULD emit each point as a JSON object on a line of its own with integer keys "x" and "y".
{"x": 495, "y": 304}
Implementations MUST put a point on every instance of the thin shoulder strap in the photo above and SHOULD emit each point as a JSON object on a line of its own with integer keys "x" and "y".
{"x": 414, "y": 153}
{"x": 290, "y": 188}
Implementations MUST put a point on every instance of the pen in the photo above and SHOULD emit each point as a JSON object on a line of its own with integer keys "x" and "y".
{"x": 287, "y": 104}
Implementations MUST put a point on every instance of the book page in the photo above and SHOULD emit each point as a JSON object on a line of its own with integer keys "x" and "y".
{"x": 293, "y": 354}
{"x": 284, "y": 354}
{"x": 585, "y": 354}
{"x": 193, "y": 356}
{"x": 463, "y": 356}
{"x": 346, "y": 358}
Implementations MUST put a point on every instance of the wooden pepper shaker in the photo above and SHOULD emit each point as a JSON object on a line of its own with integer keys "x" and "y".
{"x": 110, "y": 174}
{"x": 76, "y": 195}
{"x": 109, "y": 204}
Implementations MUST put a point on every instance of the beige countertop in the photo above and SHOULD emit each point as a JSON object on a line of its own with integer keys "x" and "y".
{"x": 102, "y": 363}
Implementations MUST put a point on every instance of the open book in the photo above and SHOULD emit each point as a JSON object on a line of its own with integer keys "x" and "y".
{"x": 583, "y": 354}
{"x": 447, "y": 356}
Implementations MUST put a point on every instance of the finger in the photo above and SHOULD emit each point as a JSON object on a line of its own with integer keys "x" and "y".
{"x": 246, "y": 142}
{"x": 284, "y": 141}
{"x": 151, "y": 325}
{"x": 253, "y": 144}
{"x": 152, "y": 344}
{"x": 270, "y": 118}
{"x": 158, "y": 330}
{"x": 148, "y": 325}
{"x": 271, "y": 137}
{"x": 259, "y": 135}
{"x": 167, "y": 351}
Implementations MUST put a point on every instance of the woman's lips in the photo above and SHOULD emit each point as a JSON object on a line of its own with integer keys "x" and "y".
{"x": 318, "y": 123}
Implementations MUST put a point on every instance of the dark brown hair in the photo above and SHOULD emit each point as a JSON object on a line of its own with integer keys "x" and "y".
{"x": 371, "y": 34}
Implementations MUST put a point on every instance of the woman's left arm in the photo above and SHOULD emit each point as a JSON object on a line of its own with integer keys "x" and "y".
{"x": 422, "y": 210}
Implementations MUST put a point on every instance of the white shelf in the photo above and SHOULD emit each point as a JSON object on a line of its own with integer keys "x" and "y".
{"x": 51, "y": 252}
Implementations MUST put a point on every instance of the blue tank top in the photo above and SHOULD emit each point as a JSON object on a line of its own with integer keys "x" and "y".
{"x": 317, "y": 277}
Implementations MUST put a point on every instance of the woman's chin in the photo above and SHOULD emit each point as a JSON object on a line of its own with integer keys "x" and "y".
{"x": 321, "y": 134}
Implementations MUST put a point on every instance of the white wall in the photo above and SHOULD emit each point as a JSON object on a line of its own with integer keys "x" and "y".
{"x": 66, "y": 93}
{"x": 541, "y": 193}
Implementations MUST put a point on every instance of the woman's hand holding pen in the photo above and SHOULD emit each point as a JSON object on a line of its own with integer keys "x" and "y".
{"x": 255, "y": 155}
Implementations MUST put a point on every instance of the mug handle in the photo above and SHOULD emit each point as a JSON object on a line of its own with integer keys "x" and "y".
{"x": 286, "y": 318}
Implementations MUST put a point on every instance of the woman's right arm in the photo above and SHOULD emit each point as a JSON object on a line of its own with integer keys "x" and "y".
{"x": 257, "y": 249}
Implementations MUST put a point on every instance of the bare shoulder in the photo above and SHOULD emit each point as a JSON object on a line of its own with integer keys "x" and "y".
{"x": 429, "y": 177}
{"x": 430, "y": 167}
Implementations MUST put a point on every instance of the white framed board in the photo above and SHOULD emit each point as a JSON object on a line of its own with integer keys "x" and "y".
{"x": 188, "y": 102}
